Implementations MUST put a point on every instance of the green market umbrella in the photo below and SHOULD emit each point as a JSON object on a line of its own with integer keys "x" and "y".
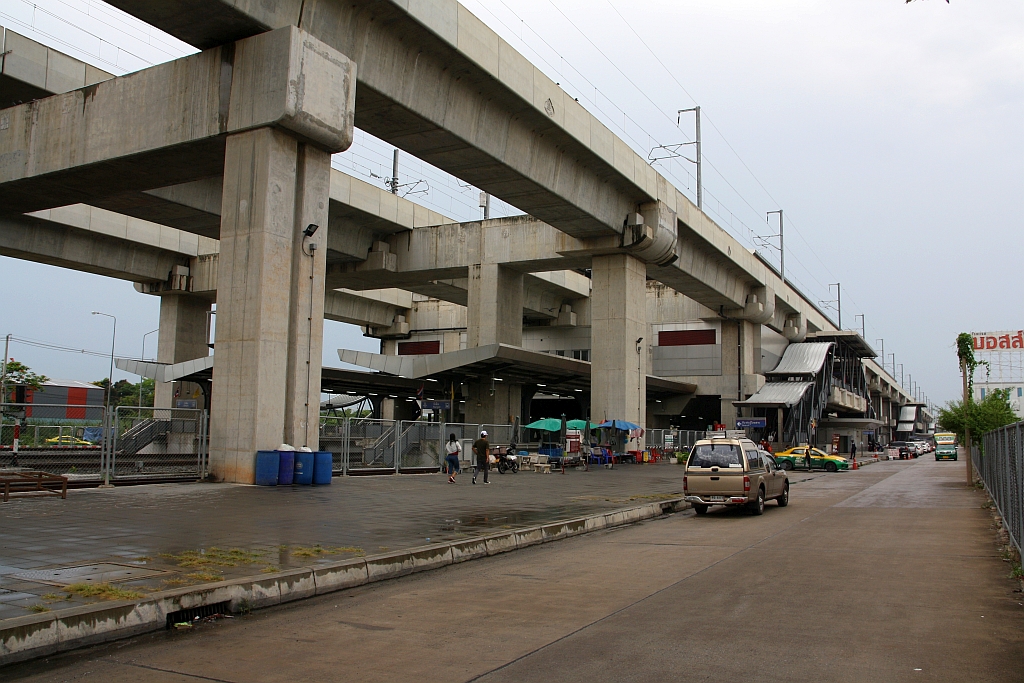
{"x": 548, "y": 424}
{"x": 579, "y": 424}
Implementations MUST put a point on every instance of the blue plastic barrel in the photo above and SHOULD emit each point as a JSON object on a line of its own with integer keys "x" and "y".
{"x": 303, "y": 468}
{"x": 323, "y": 468}
{"x": 286, "y": 472}
{"x": 267, "y": 465}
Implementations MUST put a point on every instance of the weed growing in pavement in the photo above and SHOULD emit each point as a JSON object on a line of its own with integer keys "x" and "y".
{"x": 214, "y": 557}
{"x": 38, "y": 608}
{"x": 174, "y": 581}
{"x": 144, "y": 558}
{"x": 103, "y": 591}
{"x": 270, "y": 570}
{"x": 55, "y": 597}
{"x": 206, "y": 575}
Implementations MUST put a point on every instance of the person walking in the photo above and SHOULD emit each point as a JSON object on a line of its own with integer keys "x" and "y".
{"x": 853, "y": 450}
{"x": 482, "y": 449}
{"x": 453, "y": 450}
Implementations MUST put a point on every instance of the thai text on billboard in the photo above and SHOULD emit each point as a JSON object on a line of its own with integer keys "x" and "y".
{"x": 998, "y": 341}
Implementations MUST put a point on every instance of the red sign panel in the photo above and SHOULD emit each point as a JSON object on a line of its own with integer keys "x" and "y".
{"x": 686, "y": 338}
{"x": 419, "y": 348}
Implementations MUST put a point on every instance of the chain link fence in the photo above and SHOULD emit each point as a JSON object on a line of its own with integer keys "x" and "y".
{"x": 158, "y": 441}
{"x": 1001, "y": 469}
{"x": 89, "y": 443}
{"x": 56, "y": 438}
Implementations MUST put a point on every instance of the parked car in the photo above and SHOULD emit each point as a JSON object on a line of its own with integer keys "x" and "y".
{"x": 67, "y": 440}
{"x": 904, "y": 448}
{"x": 733, "y": 472}
{"x": 796, "y": 457}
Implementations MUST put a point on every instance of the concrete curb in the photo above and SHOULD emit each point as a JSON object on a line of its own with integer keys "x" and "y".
{"x": 39, "y": 635}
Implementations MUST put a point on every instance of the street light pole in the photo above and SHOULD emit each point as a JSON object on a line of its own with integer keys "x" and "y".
{"x": 113, "y": 339}
{"x": 142, "y": 379}
{"x": 110, "y": 389}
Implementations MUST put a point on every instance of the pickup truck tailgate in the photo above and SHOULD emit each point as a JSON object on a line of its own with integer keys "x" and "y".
{"x": 706, "y": 482}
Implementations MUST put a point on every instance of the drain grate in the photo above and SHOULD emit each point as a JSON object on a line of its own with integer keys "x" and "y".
{"x": 102, "y": 572}
{"x": 193, "y": 613}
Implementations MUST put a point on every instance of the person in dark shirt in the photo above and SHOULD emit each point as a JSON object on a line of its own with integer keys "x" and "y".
{"x": 482, "y": 448}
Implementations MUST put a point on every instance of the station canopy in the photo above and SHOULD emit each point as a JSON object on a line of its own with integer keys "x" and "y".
{"x": 555, "y": 374}
{"x": 777, "y": 395}
{"x": 848, "y": 339}
{"x": 802, "y": 359}
{"x": 406, "y": 376}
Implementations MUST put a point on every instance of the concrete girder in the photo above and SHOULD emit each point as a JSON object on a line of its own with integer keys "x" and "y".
{"x": 153, "y": 256}
{"x": 359, "y": 212}
{"x": 192, "y": 207}
{"x": 167, "y": 124}
{"x": 33, "y": 239}
{"x": 29, "y": 70}
{"x": 435, "y": 81}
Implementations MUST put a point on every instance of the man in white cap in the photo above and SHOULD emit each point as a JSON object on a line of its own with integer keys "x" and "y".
{"x": 482, "y": 449}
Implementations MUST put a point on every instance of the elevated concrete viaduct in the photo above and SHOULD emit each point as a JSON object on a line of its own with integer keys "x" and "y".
{"x": 234, "y": 143}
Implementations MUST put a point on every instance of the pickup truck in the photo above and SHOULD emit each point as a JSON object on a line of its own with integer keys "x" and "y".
{"x": 733, "y": 472}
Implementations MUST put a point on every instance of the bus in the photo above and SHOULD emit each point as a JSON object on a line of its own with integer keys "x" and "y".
{"x": 945, "y": 446}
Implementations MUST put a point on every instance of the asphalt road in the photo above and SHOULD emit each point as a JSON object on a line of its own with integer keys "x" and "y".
{"x": 889, "y": 573}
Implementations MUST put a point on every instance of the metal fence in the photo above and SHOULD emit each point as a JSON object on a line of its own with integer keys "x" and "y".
{"x": 56, "y": 448}
{"x": 672, "y": 438}
{"x": 1001, "y": 469}
{"x": 124, "y": 442}
{"x": 158, "y": 441}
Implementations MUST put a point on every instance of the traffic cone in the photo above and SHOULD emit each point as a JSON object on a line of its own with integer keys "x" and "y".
{"x": 855, "y": 465}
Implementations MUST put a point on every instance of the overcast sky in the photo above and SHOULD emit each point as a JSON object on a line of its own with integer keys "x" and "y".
{"x": 890, "y": 134}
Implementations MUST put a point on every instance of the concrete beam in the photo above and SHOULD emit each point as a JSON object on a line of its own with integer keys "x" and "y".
{"x": 118, "y": 136}
{"x": 33, "y": 239}
{"x": 435, "y": 81}
{"x": 30, "y": 70}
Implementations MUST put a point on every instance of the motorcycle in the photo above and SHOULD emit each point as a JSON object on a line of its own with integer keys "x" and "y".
{"x": 508, "y": 461}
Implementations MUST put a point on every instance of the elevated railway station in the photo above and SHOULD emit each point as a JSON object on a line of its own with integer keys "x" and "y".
{"x": 612, "y": 293}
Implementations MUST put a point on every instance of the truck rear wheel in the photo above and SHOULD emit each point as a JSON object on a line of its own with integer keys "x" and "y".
{"x": 783, "y": 500}
{"x": 700, "y": 509}
{"x": 757, "y": 505}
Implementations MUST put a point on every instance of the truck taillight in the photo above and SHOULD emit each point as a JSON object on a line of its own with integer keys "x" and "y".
{"x": 684, "y": 484}
{"x": 746, "y": 484}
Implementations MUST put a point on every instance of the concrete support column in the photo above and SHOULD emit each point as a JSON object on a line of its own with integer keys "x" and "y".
{"x": 499, "y": 403}
{"x": 269, "y": 300}
{"x": 495, "y": 305}
{"x": 618, "y": 378}
{"x": 741, "y": 363}
{"x": 182, "y": 337}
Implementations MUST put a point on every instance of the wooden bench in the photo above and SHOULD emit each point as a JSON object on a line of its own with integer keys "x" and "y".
{"x": 540, "y": 464}
{"x": 33, "y": 483}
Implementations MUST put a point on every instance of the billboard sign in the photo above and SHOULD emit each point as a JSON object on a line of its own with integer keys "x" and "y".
{"x": 998, "y": 341}
{"x": 750, "y": 423}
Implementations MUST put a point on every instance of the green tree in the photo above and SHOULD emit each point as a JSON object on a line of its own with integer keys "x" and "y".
{"x": 992, "y": 412}
{"x": 124, "y": 392}
{"x": 19, "y": 374}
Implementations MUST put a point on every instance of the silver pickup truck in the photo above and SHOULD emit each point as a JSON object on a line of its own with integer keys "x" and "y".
{"x": 733, "y": 472}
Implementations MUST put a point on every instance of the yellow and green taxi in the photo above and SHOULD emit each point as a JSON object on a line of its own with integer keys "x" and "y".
{"x": 67, "y": 440}
{"x": 945, "y": 451}
{"x": 796, "y": 457}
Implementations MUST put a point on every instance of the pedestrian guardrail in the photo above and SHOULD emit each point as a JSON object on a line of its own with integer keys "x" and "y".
{"x": 1001, "y": 469}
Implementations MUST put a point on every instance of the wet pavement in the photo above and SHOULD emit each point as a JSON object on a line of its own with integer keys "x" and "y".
{"x": 890, "y": 573}
{"x": 171, "y": 535}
